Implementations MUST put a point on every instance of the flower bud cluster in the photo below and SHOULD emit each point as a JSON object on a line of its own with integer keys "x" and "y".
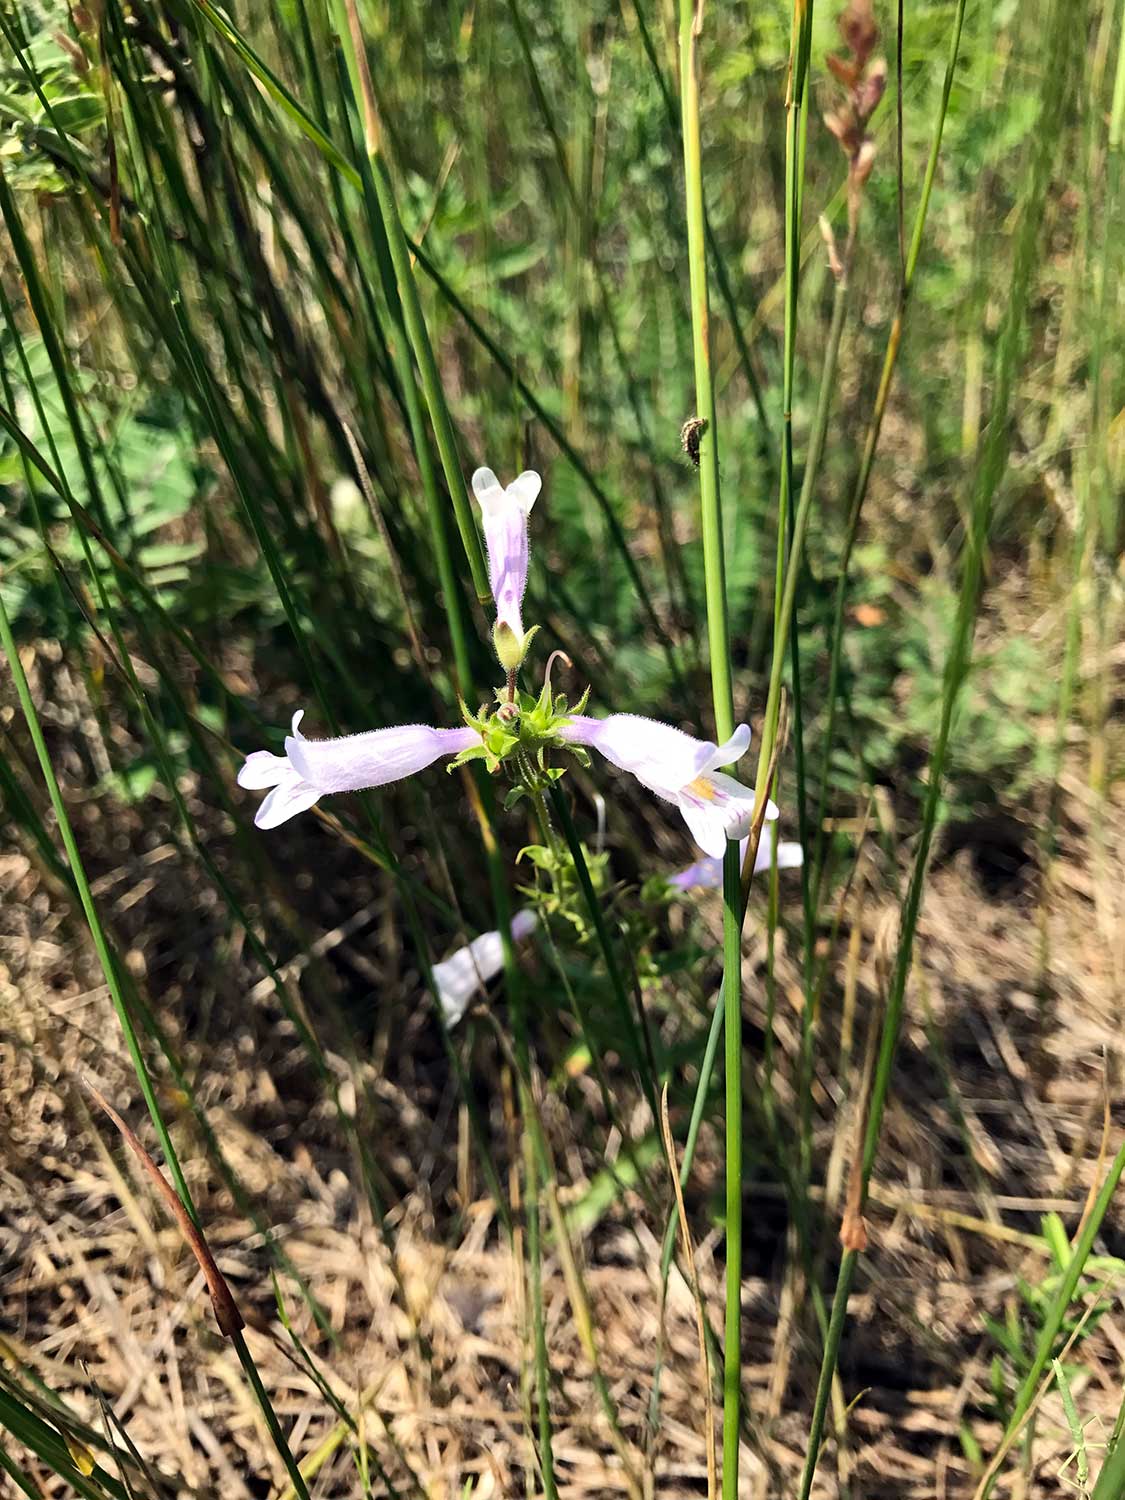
{"x": 520, "y": 725}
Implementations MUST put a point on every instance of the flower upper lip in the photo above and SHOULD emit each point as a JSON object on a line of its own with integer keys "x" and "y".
{"x": 679, "y": 768}
{"x": 664, "y": 758}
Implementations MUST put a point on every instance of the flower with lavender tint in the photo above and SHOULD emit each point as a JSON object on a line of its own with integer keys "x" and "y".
{"x": 707, "y": 874}
{"x": 505, "y": 512}
{"x": 680, "y": 769}
{"x": 458, "y": 977}
{"x": 310, "y": 769}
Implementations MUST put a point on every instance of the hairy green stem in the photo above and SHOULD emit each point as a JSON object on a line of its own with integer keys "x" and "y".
{"x": 634, "y": 1027}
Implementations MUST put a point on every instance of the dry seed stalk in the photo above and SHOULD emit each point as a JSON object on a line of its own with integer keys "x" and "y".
{"x": 227, "y": 1315}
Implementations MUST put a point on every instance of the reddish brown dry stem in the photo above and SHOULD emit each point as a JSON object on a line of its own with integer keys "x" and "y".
{"x": 853, "y": 1227}
{"x": 227, "y": 1315}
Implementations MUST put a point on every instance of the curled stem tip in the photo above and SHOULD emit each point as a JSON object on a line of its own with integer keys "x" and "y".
{"x": 551, "y": 663}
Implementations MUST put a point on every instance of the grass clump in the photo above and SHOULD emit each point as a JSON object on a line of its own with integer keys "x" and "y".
{"x": 809, "y": 321}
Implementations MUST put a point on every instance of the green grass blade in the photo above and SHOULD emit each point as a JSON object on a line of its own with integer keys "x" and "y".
{"x": 1057, "y": 94}
{"x": 351, "y": 38}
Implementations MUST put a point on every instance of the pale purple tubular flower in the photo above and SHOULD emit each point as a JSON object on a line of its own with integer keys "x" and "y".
{"x": 680, "y": 769}
{"x": 310, "y": 769}
{"x": 505, "y": 513}
{"x": 707, "y": 874}
{"x": 458, "y": 977}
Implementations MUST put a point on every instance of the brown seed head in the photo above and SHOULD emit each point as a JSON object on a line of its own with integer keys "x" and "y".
{"x": 859, "y": 31}
{"x": 863, "y": 80}
{"x": 871, "y": 90}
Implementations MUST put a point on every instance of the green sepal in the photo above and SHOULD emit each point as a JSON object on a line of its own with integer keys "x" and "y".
{"x": 499, "y": 739}
{"x": 580, "y": 706}
{"x": 474, "y": 752}
{"x": 474, "y": 721}
{"x": 529, "y": 636}
{"x": 538, "y": 854}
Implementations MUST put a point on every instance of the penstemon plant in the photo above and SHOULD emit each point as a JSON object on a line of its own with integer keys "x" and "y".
{"x": 520, "y": 732}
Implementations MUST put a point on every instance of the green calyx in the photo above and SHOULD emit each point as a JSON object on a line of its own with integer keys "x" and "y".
{"x": 521, "y": 729}
{"x": 510, "y": 647}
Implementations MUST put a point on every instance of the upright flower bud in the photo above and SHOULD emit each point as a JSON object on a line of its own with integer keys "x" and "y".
{"x": 504, "y": 512}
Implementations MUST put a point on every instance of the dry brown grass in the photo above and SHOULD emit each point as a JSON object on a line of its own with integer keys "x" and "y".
{"x": 99, "y": 1292}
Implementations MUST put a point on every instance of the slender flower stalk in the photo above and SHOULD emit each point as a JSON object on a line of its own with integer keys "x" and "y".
{"x": 710, "y": 505}
{"x": 789, "y": 540}
{"x": 875, "y": 427}
{"x": 722, "y": 692}
{"x": 863, "y": 77}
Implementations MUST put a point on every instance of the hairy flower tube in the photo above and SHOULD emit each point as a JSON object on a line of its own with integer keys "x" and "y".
{"x": 310, "y": 769}
{"x": 678, "y": 768}
{"x": 458, "y": 977}
{"x": 504, "y": 512}
{"x": 707, "y": 874}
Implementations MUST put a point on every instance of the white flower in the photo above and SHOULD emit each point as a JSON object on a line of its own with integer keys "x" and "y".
{"x": 458, "y": 978}
{"x": 707, "y": 874}
{"x": 680, "y": 769}
{"x": 505, "y": 513}
{"x": 311, "y": 768}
